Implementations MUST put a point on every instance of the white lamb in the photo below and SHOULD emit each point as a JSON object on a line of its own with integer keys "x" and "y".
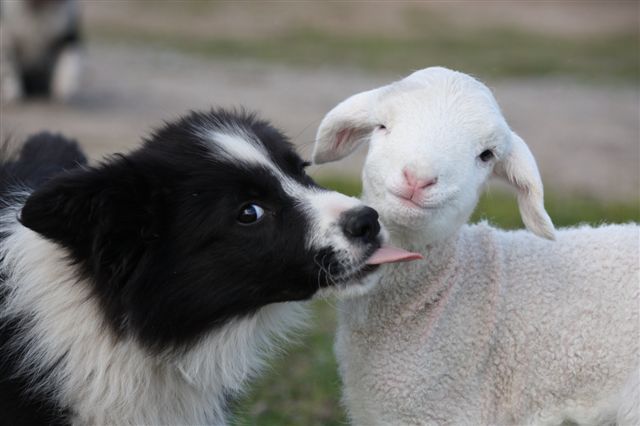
{"x": 492, "y": 327}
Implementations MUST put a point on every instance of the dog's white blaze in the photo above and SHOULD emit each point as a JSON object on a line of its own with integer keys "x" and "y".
{"x": 240, "y": 147}
{"x": 115, "y": 381}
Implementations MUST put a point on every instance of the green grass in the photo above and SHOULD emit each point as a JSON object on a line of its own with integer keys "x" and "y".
{"x": 490, "y": 53}
{"x": 500, "y": 207}
{"x": 302, "y": 388}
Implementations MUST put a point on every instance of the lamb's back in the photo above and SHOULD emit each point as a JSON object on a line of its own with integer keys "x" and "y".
{"x": 569, "y": 321}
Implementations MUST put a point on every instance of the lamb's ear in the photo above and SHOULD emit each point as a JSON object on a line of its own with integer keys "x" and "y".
{"x": 519, "y": 169}
{"x": 345, "y": 127}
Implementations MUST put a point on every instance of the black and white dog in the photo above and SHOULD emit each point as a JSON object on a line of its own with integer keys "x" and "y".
{"x": 148, "y": 289}
{"x": 40, "y": 49}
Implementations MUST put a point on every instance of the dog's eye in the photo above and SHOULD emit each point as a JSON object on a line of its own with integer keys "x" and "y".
{"x": 486, "y": 155}
{"x": 250, "y": 213}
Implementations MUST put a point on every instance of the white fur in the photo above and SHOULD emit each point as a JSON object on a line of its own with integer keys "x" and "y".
{"x": 67, "y": 73}
{"x": 114, "y": 381}
{"x": 326, "y": 208}
{"x": 492, "y": 327}
{"x": 240, "y": 147}
{"x": 10, "y": 86}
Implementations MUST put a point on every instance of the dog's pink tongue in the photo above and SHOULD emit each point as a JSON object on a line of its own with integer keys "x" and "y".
{"x": 390, "y": 254}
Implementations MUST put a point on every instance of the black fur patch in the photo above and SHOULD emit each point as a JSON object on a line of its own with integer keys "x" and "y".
{"x": 42, "y": 156}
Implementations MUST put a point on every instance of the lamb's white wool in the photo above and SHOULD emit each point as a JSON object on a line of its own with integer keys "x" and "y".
{"x": 115, "y": 381}
{"x": 498, "y": 327}
{"x": 492, "y": 327}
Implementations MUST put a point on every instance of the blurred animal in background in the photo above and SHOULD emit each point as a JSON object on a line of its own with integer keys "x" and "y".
{"x": 40, "y": 49}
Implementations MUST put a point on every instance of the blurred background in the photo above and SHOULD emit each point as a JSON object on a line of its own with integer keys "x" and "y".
{"x": 566, "y": 73}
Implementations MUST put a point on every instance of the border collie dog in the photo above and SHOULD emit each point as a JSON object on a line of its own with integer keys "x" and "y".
{"x": 149, "y": 288}
{"x": 40, "y": 49}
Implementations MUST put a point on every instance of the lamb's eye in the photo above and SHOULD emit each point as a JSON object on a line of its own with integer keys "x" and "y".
{"x": 486, "y": 155}
{"x": 381, "y": 127}
{"x": 250, "y": 213}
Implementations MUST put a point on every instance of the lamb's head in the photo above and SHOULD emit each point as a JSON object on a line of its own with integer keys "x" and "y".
{"x": 434, "y": 138}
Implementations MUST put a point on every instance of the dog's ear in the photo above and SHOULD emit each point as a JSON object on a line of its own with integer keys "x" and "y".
{"x": 345, "y": 127}
{"x": 102, "y": 208}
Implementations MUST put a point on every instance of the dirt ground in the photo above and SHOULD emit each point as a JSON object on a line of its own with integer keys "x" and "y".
{"x": 585, "y": 138}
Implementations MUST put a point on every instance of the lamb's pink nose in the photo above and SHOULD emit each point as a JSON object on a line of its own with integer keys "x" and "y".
{"x": 417, "y": 184}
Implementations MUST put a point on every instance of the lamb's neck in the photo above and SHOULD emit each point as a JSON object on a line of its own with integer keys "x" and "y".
{"x": 425, "y": 298}
{"x": 407, "y": 289}
{"x": 425, "y": 285}
{"x": 438, "y": 256}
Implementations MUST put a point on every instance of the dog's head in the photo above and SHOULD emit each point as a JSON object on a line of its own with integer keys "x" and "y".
{"x": 212, "y": 218}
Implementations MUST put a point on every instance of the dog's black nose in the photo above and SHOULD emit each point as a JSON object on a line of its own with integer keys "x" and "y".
{"x": 361, "y": 224}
